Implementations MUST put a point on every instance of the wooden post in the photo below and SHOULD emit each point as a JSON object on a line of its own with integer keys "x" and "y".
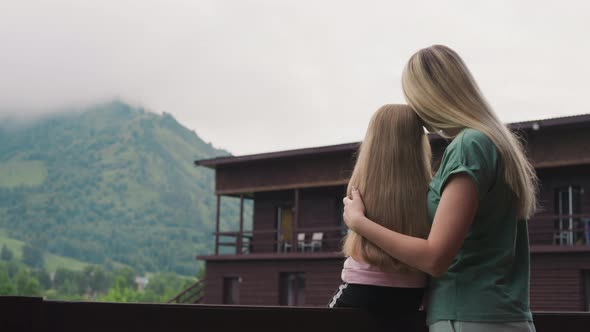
{"x": 295, "y": 243}
{"x": 241, "y": 233}
{"x": 217, "y": 225}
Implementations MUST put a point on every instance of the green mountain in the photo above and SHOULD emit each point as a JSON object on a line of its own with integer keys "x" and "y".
{"x": 111, "y": 183}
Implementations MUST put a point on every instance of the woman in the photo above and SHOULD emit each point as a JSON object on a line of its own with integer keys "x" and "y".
{"x": 477, "y": 251}
{"x": 393, "y": 172}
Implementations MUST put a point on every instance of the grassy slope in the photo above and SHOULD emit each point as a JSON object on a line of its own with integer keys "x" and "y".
{"x": 52, "y": 262}
{"x": 15, "y": 173}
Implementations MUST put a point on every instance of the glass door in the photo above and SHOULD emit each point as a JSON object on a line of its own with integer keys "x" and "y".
{"x": 567, "y": 205}
{"x": 284, "y": 228}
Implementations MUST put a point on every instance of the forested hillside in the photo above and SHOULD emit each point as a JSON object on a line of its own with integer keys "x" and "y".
{"x": 110, "y": 184}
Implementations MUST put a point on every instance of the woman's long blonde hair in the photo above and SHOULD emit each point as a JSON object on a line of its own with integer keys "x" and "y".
{"x": 392, "y": 173}
{"x": 439, "y": 87}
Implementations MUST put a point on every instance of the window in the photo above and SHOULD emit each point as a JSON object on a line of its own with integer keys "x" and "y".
{"x": 292, "y": 289}
{"x": 231, "y": 290}
{"x": 567, "y": 206}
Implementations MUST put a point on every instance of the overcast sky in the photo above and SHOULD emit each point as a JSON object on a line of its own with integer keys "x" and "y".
{"x": 258, "y": 76}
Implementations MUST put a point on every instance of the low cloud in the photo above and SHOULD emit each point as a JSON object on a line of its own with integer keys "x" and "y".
{"x": 258, "y": 76}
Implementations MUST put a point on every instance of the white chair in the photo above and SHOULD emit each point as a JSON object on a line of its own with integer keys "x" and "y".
{"x": 300, "y": 242}
{"x": 561, "y": 236}
{"x": 316, "y": 241}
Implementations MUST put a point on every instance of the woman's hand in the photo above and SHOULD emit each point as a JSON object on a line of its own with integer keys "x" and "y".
{"x": 354, "y": 209}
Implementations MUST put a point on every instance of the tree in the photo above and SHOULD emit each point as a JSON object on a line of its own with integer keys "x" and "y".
{"x": 100, "y": 280}
{"x": 127, "y": 276}
{"x": 6, "y": 254}
{"x": 97, "y": 280}
{"x": 6, "y": 287}
{"x": 120, "y": 292}
{"x": 165, "y": 286}
{"x": 43, "y": 278}
{"x": 33, "y": 256}
{"x": 27, "y": 285}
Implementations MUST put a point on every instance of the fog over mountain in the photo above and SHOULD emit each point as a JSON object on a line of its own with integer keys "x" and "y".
{"x": 255, "y": 76}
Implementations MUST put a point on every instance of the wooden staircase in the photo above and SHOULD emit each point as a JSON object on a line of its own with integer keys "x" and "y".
{"x": 192, "y": 294}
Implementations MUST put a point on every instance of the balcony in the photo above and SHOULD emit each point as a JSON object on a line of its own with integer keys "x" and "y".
{"x": 555, "y": 233}
{"x": 36, "y": 315}
{"x": 548, "y": 233}
{"x": 312, "y": 240}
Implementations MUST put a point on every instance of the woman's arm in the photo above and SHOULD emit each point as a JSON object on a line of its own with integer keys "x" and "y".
{"x": 453, "y": 218}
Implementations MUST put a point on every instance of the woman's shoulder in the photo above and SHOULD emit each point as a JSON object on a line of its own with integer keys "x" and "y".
{"x": 471, "y": 147}
{"x": 469, "y": 136}
{"x": 470, "y": 141}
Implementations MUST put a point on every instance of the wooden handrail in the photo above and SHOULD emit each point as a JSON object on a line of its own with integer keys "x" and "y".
{"x": 36, "y": 315}
{"x": 196, "y": 286}
{"x": 557, "y": 216}
{"x": 274, "y": 231}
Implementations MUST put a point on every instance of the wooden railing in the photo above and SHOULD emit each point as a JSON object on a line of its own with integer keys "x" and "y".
{"x": 267, "y": 241}
{"x": 21, "y": 314}
{"x": 543, "y": 229}
{"x": 562, "y": 230}
{"x": 192, "y": 294}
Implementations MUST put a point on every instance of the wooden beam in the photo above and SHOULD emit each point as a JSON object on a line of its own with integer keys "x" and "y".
{"x": 295, "y": 226}
{"x": 561, "y": 163}
{"x": 217, "y": 225}
{"x": 234, "y": 191}
{"x": 240, "y": 234}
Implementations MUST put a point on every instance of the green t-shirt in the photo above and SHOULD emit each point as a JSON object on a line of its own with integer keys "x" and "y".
{"x": 488, "y": 280}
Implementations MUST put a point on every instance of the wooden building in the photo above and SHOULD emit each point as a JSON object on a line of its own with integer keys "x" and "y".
{"x": 291, "y": 254}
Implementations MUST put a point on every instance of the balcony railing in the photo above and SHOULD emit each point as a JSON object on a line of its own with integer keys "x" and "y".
{"x": 21, "y": 314}
{"x": 309, "y": 240}
{"x": 561, "y": 230}
{"x": 544, "y": 230}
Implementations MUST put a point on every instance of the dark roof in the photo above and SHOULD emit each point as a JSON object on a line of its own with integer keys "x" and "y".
{"x": 212, "y": 163}
{"x": 552, "y": 122}
{"x": 525, "y": 125}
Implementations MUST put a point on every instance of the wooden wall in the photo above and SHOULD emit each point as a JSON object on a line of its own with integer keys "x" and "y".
{"x": 260, "y": 279}
{"x": 541, "y": 230}
{"x": 557, "y": 146}
{"x": 556, "y": 281}
{"x": 295, "y": 172}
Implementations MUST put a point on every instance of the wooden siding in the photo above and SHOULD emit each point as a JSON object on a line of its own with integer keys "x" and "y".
{"x": 260, "y": 279}
{"x": 559, "y": 146}
{"x": 300, "y": 172}
{"x": 550, "y": 179}
{"x": 556, "y": 281}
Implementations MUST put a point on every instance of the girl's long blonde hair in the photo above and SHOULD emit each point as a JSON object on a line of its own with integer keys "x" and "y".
{"x": 392, "y": 173}
{"x": 439, "y": 87}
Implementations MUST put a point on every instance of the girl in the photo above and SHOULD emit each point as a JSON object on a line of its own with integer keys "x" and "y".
{"x": 477, "y": 251}
{"x": 393, "y": 171}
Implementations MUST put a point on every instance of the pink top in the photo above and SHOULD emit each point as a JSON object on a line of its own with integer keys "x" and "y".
{"x": 355, "y": 272}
